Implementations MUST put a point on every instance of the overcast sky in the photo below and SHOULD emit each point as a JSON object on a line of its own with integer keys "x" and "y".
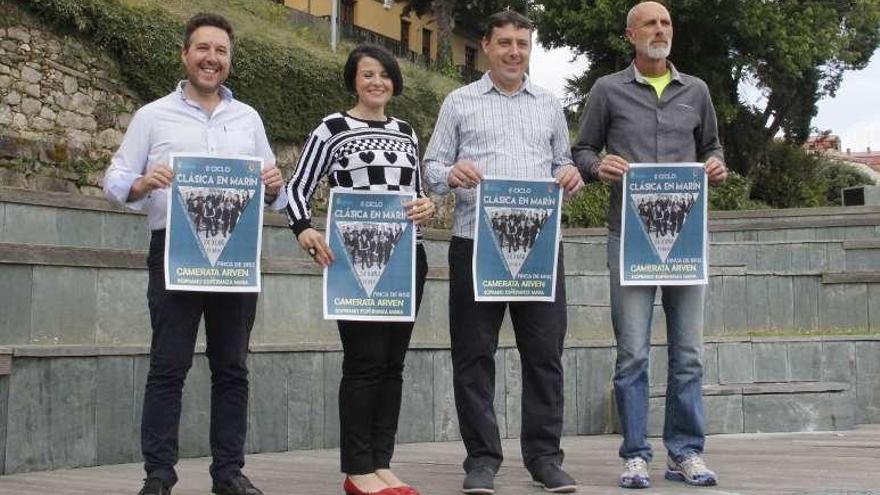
{"x": 854, "y": 114}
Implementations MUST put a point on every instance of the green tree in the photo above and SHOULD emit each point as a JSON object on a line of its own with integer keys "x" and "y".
{"x": 794, "y": 51}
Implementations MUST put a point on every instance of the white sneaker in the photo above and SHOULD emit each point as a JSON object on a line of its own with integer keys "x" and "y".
{"x": 691, "y": 469}
{"x": 635, "y": 474}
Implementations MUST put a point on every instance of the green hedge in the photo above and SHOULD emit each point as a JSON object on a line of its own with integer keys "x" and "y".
{"x": 292, "y": 88}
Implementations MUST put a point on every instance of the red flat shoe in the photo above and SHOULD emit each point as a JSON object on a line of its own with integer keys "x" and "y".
{"x": 406, "y": 490}
{"x": 351, "y": 489}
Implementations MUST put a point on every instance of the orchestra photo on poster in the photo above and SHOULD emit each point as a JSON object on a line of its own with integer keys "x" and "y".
{"x": 664, "y": 225}
{"x": 373, "y": 276}
{"x": 214, "y": 224}
{"x": 516, "y": 239}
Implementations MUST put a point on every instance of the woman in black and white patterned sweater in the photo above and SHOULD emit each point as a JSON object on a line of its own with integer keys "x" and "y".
{"x": 364, "y": 149}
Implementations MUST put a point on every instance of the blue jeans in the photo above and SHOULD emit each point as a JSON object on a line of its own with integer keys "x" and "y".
{"x": 631, "y": 310}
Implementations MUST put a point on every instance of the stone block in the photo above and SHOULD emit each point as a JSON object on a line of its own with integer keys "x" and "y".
{"x": 804, "y": 234}
{"x": 195, "y": 414}
{"x": 745, "y": 235}
{"x": 437, "y": 253}
{"x": 64, "y": 305}
{"x": 710, "y": 364}
{"x": 281, "y": 242}
{"x": 836, "y": 258}
{"x": 758, "y": 302}
{"x": 860, "y": 232}
{"x": 117, "y": 442}
{"x": 125, "y": 231}
{"x": 770, "y": 236}
{"x": 16, "y": 283}
{"x": 595, "y": 369}
{"x": 795, "y": 412}
{"x": 445, "y": 416}
{"x": 589, "y": 290}
{"x": 733, "y": 254}
{"x": 838, "y": 362}
{"x": 723, "y": 413}
{"x": 656, "y": 416}
{"x": 4, "y": 410}
{"x": 722, "y": 236}
{"x": 29, "y": 420}
{"x": 780, "y": 292}
{"x": 659, "y": 365}
{"x": 293, "y": 311}
{"x": 417, "y": 409}
{"x": 268, "y": 402}
{"x": 734, "y": 290}
{"x": 873, "y": 307}
{"x": 806, "y": 302}
{"x": 569, "y": 392}
{"x": 805, "y": 361}
{"x": 589, "y": 323}
{"x": 512, "y": 392}
{"x": 432, "y": 322}
{"x": 79, "y": 228}
{"x": 868, "y": 381}
{"x": 862, "y": 259}
{"x": 586, "y": 257}
{"x": 843, "y": 306}
{"x": 774, "y": 257}
{"x": 29, "y": 224}
{"x": 305, "y": 407}
{"x": 72, "y": 409}
{"x": 500, "y": 403}
{"x": 771, "y": 361}
{"x": 713, "y": 317}
{"x": 735, "y": 362}
{"x": 332, "y": 375}
{"x": 123, "y": 317}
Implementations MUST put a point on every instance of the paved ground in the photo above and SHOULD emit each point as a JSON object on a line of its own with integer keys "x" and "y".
{"x": 806, "y": 463}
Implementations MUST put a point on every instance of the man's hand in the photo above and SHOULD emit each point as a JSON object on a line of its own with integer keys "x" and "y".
{"x": 464, "y": 174}
{"x": 158, "y": 177}
{"x": 419, "y": 210}
{"x": 612, "y": 168}
{"x": 273, "y": 180}
{"x": 313, "y": 243}
{"x": 569, "y": 179}
{"x": 716, "y": 172}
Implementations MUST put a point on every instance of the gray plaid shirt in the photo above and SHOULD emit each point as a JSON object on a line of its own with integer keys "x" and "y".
{"x": 523, "y": 135}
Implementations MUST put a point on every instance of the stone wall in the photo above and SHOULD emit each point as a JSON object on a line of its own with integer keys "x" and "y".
{"x": 63, "y": 110}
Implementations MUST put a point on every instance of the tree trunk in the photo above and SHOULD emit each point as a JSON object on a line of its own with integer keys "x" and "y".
{"x": 443, "y": 11}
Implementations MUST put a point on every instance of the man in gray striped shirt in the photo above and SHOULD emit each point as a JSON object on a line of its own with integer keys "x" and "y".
{"x": 502, "y": 125}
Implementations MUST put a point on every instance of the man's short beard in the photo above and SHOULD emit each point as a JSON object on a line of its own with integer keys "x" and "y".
{"x": 657, "y": 53}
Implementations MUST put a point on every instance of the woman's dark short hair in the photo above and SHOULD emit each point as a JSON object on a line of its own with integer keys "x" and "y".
{"x": 205, "y": 19}
{"x": 505, "y": 17}
{"x": 389, "y": 63}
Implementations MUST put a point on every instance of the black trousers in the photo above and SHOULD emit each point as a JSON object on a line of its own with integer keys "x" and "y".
{"x": 370, "y": 389}
{"x": 175, "y": 316}
{"x": 539, "y": 328}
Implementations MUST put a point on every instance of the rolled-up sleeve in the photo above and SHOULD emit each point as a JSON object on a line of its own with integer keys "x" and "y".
{"x": 442, "y": 149}
{"x": 128, "y": 163}
{"x": 591, "y": 133}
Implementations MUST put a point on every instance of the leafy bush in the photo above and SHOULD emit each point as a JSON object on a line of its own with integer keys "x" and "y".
{"x": 291, "y": 87}
{"x": 589, "y": 208}
{"x": 789, "y": 177}
{"x": 838, "y": 176}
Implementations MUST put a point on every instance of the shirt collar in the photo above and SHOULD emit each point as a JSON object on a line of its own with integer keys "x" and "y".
{"x": 488, "y": 85}
{"x": 225, "y": 93}
{"x": 633, "y": 74}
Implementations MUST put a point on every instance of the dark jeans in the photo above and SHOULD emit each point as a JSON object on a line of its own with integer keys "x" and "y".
{"x": 175, "y": 316}
{"x": 370, "y": 389}
{"x": 539, "y": 328}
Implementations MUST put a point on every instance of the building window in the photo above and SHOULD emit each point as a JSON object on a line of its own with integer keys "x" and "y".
{"x": 346, "y": 15}
{"x": 404, "y": 34}
{"x": 426, "y": 44}
{"x": 470, "y": 57}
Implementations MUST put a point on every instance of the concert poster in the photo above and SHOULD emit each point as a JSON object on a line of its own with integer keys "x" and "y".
{"x": 214, "y": 223}
{"x": 374, "y": 245}
{"x": 516, "y": 239}
{"x": 663, "y": 231}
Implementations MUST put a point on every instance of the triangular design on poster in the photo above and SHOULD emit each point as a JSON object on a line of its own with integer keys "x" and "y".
{"x": 514, "y": 231}
{"x": 662, "y": 217}
{"x": 213, "y": 213}
{"x": 369, "y": 247}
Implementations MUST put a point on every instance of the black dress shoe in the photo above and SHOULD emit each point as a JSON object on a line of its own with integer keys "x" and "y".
{"x": 553, "y": 479}
{"x": 479, "y": 480}
{"x": 236, "y": 485}
{"x": 155, "y": 486}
